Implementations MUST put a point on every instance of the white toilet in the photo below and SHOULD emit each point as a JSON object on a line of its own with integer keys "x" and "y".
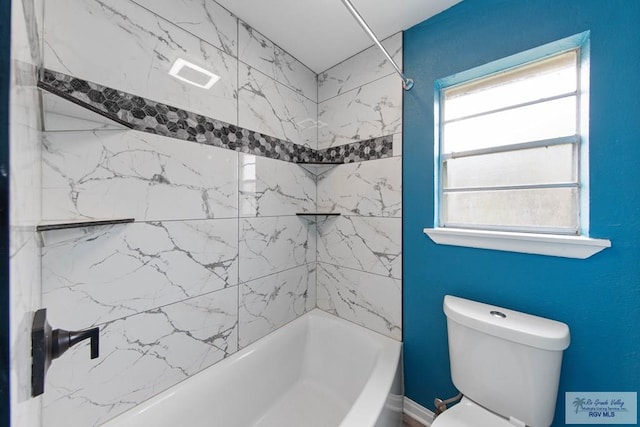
{"x": 505, "y": 363}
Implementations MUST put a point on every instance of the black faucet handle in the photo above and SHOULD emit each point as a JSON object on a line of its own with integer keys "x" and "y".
{"x": 47, "y": 345}
{"x": 62, "y": 340}
{"x": 93, "y": 334}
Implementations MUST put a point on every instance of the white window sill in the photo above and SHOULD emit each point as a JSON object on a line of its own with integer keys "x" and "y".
{"x": 541, "y": 244}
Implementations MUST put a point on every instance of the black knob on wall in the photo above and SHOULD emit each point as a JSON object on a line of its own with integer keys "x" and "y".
{"x": 47, "y": 345}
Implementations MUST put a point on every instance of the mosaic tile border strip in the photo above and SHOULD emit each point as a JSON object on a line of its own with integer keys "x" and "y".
{"x": 149, "y": 116}
{"x": 369, "y": 149}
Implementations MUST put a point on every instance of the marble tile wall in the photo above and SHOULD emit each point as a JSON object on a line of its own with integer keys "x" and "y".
{"x": 271, "y": 301}
{"x": 182, "y": 287}
{"x": 111, "y": 272}
{"x": 217, "y": 257}
{"x": 370, "y": 300}
{"x": 361, "y": 97}
{"x": 273, "y": 109}
{"x": 122, "y": 174}
{"x": 259, "y": 52}
{"x": 359, "y": 274}
{"x": 141, "y": 355}
{"x": 140, "y": 40}
{"x": 271, "y": 187}
{"x": 24, "y": 206}
{"x": 122, "y": 45}
{"x": 75, "y": 104}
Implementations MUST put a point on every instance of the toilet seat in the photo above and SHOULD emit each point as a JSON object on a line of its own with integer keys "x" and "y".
{"x": 469, "y": 414}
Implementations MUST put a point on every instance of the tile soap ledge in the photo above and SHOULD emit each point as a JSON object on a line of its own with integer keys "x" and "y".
{"x": 320, "y": 163}
{"x": 63, "y": 225}
{"x": 319, "y": 167}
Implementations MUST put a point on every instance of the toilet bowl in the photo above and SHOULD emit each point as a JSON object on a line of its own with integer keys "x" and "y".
{"x": 505, "y": 363}
{"x": 467, "y": 413}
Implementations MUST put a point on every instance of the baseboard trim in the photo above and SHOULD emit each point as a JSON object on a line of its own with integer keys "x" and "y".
{"x": 418, "y": 412}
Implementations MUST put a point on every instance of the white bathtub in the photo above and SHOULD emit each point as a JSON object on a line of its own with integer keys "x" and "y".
{"x": 317, "y": 371}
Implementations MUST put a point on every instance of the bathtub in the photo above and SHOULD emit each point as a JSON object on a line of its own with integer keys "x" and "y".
{"x": 317, "y": 371}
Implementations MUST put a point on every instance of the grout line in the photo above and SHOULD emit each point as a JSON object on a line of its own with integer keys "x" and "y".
{"x": 317, "y": 112}
{"x": 292, "y": 89}
{"x": 356, "y": 88}
{"x": 181, "y": 28}
{"x": 238, "y": 218}
{"x": 355, "y": 322}
{"x": 237, "y": 70}
{"x": 358, "y": 53}
{"x": 360, "y": 271}
{"x": 238, "y": 229}
{"x": 164, "y": 305}
{"x": 278, "y": 46}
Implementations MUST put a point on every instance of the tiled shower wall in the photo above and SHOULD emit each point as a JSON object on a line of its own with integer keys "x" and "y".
{"x": 359, "y": 252}
{"x": 216, "y": 258}
{"x": 24, "y": 205}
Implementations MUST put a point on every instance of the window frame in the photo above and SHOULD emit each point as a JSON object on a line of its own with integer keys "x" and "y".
{"x": 574, "y": 140}
{"x": 519, "y": 240}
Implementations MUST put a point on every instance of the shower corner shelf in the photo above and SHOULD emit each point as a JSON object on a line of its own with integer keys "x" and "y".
{"x": 320, "y": 163}
{"x": 65, "y": 112}
{"x": 318, "y": 168}
{"x": 316, "y": 214}
{"x": 63, "y": 225}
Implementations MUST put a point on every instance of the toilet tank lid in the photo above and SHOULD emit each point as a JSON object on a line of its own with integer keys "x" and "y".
{"x": 526, "y": 329}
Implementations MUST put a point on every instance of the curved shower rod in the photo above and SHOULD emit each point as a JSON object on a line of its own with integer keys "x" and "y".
{"x": 407, "y": 83}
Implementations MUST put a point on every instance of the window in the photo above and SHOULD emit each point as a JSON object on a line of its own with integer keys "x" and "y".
{"x": 509, "y": 153}
{"x": 512, "y": 150}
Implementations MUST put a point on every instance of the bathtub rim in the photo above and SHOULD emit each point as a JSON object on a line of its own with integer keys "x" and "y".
{"x": 388, "y": 364}
{"x": 366, "y": 408}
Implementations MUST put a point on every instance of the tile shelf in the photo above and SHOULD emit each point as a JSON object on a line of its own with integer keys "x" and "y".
{"x": 58, "y": 104}
{"x": 63, "y": 225}
{"x": 320, "y": 163}
{"x": 317, "y": 214}
{"x": 318, "y": 168}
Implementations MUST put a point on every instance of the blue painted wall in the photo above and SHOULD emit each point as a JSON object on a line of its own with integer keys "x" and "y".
{"x": 599, "y": 298}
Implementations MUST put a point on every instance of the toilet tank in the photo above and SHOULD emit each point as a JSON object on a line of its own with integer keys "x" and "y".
{"x": 506, "y": 361}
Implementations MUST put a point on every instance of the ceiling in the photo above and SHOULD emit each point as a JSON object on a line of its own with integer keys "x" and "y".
{"x": 322, "y": 33}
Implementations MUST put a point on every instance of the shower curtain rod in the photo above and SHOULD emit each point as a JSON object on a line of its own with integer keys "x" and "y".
{"x": 407, "y": 83}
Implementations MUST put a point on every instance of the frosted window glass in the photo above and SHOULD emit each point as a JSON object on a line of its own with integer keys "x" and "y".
{"x": 543, "y": 79}
{"x": 544, "y": 120}
{"x": 537, "y": 208}
{"x": 488, "y": 122}
{"x": 545, "y": 165}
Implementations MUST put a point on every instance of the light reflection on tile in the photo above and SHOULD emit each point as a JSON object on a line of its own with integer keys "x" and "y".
{"x": 24, "y": 206}
{"x": 271, "y": 187}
